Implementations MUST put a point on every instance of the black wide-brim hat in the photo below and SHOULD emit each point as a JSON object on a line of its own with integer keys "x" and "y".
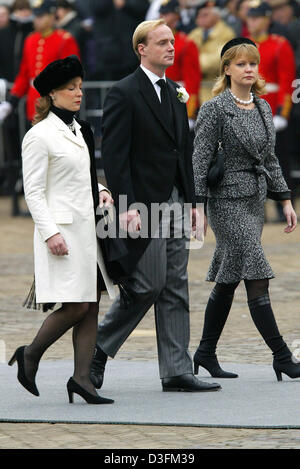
{"x": 58, "y": 73}
{"x": 236, "y": 42}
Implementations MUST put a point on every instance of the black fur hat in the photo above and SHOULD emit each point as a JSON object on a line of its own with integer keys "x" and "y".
{"x": 58, "y": 73}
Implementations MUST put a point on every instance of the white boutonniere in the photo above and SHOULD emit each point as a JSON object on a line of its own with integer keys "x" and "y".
{"x": 182, "y": 95}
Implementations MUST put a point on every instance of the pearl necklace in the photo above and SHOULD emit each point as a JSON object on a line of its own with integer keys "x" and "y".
{"x": 241, "y": 101}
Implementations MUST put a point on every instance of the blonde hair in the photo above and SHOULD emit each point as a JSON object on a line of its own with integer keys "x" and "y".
{"x": 140, "y": 35}
{"x": 223, "y": 81}
{"x": 42, "y": 108}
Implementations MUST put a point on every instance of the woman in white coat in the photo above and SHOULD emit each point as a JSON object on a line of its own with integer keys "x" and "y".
{"x": 62, "y": 194}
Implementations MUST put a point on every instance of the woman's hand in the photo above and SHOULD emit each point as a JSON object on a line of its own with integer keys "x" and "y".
{"x": 290, "y": 216}
{"x": 105, "y": 199}
{"x": 57, "y": 245}
{"x": 198, "y": 222}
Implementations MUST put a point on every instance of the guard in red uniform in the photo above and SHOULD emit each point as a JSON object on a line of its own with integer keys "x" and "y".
{"x": 40, "y": 48}
{"x": 277, "y": 64}
{"x": 186, "y": 67}
{"x": 277, "y": 67}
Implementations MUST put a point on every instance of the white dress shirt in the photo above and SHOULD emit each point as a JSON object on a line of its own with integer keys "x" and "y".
{"x": 154, "y": 79}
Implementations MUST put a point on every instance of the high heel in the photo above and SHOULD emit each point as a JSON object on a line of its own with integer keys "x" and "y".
{"x": 18, "y": 356}
{"x": 289, "y": 368}
{"x": 211, "y": 364}
{"x": 75, "y": 388}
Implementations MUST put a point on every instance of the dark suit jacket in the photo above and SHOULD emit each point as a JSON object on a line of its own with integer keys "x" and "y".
{"x": 141, "y": 154}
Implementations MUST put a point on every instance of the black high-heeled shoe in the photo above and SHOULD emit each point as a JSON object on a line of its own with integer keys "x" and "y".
{"x": 211, "y": 364}
{"x": 291, "y": 369}
{"x": 74, "y": 387}
{"x": 19, "y": 357}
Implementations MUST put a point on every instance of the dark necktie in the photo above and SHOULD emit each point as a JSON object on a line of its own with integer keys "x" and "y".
{"x": 166, "y": 106}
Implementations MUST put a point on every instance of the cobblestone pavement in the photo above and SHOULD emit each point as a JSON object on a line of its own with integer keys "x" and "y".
{"x": 240, "y": 343}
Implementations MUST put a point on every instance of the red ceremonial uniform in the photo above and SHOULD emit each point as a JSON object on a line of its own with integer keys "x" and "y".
{"x": 186, "y": 70}
{"x": 277, "y": 67}
{"x": 38, "y": 52}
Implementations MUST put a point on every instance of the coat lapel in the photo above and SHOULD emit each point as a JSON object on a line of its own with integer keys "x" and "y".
{"x": 240, "y": 130}
{"x": 177, "y": 111}
{"x": 149, "y": 94}
{"x": 62, "y": 127}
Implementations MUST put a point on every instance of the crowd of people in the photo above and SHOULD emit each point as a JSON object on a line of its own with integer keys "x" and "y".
{"x": 32, "y": 33}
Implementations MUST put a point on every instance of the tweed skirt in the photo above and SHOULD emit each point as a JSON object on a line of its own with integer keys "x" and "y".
{"x": 237, "y": 225}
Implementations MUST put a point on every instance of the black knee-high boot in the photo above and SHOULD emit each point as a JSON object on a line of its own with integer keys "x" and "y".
{"x": 216, "y": 314}
{"x": 264, "y": 320}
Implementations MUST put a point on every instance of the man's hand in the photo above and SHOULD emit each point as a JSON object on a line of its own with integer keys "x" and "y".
{"x": 130, "y": 221}
{"x": 105, "y": 199}
{"x": 57, "y": 245}
{"x": 198, "y": 222}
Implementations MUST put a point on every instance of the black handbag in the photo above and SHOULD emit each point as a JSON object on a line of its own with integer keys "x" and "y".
{"x": 216, "y": 168}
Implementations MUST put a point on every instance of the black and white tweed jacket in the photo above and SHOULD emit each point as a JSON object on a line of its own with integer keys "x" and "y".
{"x": 247, "y": 171}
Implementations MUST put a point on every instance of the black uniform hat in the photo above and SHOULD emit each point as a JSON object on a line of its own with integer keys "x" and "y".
{"x": 41, "y": 7}
{"x": 58, "y": 73}
{"x": 259, "y": 8}
{"x": 236, "y": 42}
{"x": 169, "y": 6}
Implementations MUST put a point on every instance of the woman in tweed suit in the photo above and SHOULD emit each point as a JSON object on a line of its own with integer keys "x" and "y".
{"x": 236, "y": 205}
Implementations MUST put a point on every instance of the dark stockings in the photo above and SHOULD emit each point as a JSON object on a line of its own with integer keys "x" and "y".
{"x": 81, "y": 316}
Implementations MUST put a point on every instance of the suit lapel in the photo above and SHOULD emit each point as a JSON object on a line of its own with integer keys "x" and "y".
{"x": 177, "y": 111}
{"x": 149, "y": 94}
{"x": 246, "y": 138}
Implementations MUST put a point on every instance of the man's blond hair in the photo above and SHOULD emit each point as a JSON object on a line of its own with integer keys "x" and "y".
{"x": 140, "y": 35}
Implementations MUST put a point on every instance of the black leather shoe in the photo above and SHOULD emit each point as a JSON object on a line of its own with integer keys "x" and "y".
{"x": 188, "y": 383}
{"x": 74, "y": 388}
{"x": 18, "y": 356}
{"x": 98, "y": 368}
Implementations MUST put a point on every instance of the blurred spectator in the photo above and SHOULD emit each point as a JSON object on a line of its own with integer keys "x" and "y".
{"x": 186, "y": 21}
{"x": 11, "y": 48}
{"x": 40, "y": 48}
{"x": 12, "y": 39}
{"x": 4, "y": 16}
{"x": 284, "y": 12}
{"x": 210, "y": 36}
{"x": 187, "y": 15}
{"x": 114, "y": 24}
{"x": 153, "y": 10}
{"x": 83, "y": 8}
{"x": 277, "y": 67}
{"x": 233, "y": 15}
{"x": 186, "y": 69}
{"x": 67, "y": 18}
